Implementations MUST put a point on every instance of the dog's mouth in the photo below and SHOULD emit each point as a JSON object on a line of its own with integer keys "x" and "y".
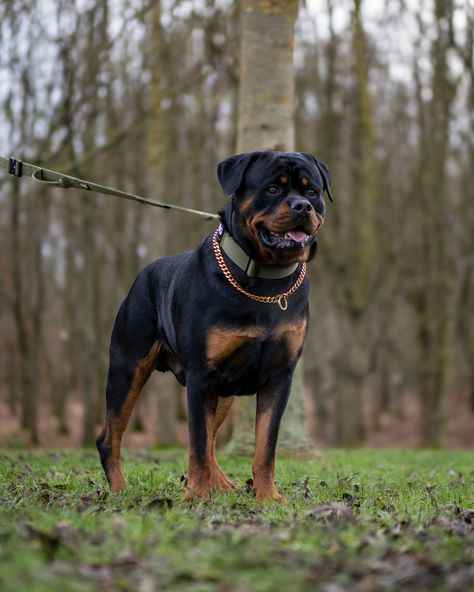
{"x": 297, "y": 238}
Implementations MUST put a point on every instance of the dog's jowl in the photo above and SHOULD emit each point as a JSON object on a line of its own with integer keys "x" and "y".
{"x": 227, "y": 319}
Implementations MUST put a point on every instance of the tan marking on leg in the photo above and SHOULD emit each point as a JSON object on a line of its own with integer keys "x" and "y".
{"x": 293, "y": 334}
{"x": 219, "y": 480}
{"x": 116, "y": 424}
{"x": 221, "y": 342}
{"x": 199, "y": 478}
{"x": 263, "y": 468}
{"x": 203, "y": 478}
{"x": 246, "y": 204}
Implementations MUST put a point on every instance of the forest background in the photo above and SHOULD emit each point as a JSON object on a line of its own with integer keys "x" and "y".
{"x": 143, "y": 96}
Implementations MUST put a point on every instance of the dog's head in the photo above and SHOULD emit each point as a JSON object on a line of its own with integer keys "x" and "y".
{"x": 277, "y": 204}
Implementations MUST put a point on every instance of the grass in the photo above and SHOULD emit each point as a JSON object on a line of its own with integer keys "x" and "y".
{"x": 357, "y": 520}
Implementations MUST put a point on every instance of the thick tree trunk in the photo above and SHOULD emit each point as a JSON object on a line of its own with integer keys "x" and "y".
{"x": 266, "y": 103}
{"x": 266, "y": 91}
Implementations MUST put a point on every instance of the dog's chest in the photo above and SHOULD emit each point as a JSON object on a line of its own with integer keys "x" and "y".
{"x": 239, "y": 359}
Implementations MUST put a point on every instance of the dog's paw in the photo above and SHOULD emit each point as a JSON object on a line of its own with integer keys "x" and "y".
{"x": 220, "y": 481}
{"x": 269, "y": 493}
{"x": 195, "y": 493}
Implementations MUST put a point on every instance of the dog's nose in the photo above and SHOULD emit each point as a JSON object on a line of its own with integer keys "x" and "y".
{"x": 301, "y": 206}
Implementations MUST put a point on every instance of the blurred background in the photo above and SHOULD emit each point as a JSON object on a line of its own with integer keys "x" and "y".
{"x": 142, "y": 95}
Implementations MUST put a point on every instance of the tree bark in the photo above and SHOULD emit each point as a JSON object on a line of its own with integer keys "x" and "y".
{"x": 159, "y": 151}
{"x": 265, "y": 122}
{"x": 434, "y": 300}
{"x": 266, "y": 89}
{"x": 28, "y": 386}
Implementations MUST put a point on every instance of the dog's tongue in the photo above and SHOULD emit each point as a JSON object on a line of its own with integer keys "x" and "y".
{"x": 297, "y": 235}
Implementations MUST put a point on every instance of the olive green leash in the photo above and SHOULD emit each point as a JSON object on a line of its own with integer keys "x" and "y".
{"x": 18, "y": 168}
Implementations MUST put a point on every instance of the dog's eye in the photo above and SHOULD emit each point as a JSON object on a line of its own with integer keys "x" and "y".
{"x": 311, "y": 192}
{"x": 273, "y": 189}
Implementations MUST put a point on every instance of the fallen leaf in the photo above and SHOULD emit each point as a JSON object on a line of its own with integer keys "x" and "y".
{"x": 160, "y": 503}
{"x": 333, "y": 511}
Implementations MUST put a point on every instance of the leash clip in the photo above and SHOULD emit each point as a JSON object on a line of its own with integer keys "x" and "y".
{"x": 15, "y": 167}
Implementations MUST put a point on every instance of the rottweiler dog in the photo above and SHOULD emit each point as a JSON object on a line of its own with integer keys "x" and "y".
{"x": 227, "y": 319}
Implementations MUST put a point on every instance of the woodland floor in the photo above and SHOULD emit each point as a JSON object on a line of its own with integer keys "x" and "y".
{"x": 397, "y": 427}
{"x": 355, "y": 521}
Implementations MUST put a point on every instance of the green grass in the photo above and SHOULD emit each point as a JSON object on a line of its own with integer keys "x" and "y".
{"x": 357, "y": 520}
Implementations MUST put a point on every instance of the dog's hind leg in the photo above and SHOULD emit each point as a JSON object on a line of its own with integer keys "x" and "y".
{"x": 134, "y": 350}
{"x": 124, "y": 385}
{"x": 119, "y": 410}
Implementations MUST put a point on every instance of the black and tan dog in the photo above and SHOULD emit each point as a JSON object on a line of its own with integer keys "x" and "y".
{"x": 229, "y": 318}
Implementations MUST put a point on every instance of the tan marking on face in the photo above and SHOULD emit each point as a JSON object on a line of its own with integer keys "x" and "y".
{"x": 279, "y": 222}
{"x": 304, "y": 181}
{"x": 293, "y": 334}
{"x": 283, "y": 220}
{"x": 250, "y": 227}
{"x": 283, "y": 179}
{"x": 221, "y": 341}
{"x": 246, "y": 204}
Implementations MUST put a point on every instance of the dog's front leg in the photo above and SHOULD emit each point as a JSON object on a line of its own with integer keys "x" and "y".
{"x": 199, "y": 467}
{"x": 271, "y": 403}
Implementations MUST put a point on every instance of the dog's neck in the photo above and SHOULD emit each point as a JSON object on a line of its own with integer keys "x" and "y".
{"x": 253, "y": 269}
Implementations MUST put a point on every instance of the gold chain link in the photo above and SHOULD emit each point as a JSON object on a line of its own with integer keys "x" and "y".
{"x": 280, "y": 299}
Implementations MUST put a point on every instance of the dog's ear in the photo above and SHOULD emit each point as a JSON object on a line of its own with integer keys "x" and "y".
{"x": 225, "y": 214}
{"x": 230, "y": 171}
{"x": 325, "y": 174}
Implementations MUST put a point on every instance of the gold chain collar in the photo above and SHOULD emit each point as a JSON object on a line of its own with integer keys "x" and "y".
{"x": 280, "y": 299}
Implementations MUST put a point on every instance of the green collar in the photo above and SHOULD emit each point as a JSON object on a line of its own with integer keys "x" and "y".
{"x": 247, "y": 264}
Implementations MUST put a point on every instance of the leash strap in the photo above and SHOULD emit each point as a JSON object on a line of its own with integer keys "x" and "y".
{"x": 18, "y": 168}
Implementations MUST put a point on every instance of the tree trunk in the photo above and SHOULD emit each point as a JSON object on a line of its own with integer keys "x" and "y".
{"x": 87, "y": 330}
{"x": 266, "y": 90}
{"x": 354, "y": 267}
{"x": 265, "y": 122}
{"x": 435, "y": 298}
{"x": 159, "y": 151}
{"x": 28, "y": 386}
